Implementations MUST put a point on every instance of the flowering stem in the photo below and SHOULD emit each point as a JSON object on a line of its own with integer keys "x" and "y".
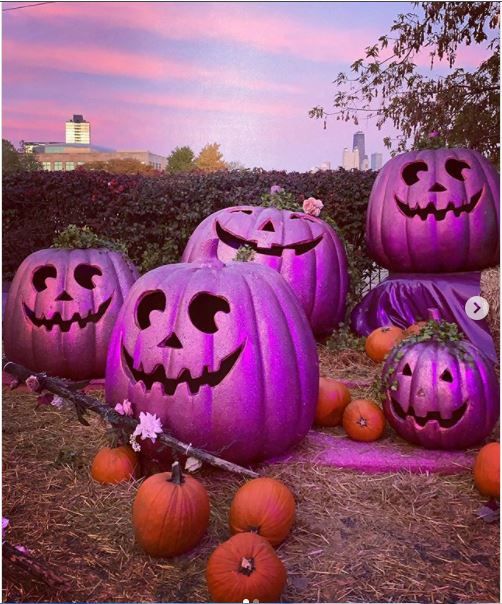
{"x": 85, "y": 403}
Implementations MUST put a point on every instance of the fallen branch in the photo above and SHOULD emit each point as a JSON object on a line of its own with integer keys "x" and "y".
{"x": 83, "y": 403}
{"x": 32, "y": 566}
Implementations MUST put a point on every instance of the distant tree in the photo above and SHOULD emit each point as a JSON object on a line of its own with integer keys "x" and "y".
{"x": 14, "y": 160}
{"x": 120, "y": 166}
{"x": 462, "y": 106}
{"x": 180, "y": 160}
{"x": 210, "y": 159}
{"x": 235, "y": 165}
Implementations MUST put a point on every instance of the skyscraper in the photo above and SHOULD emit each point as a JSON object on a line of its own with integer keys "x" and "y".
{"x": 376, "y": 161}
{"x": 358, "y": 143}
{"x": 350, "y": 159}
{"x": 78, "y": 130}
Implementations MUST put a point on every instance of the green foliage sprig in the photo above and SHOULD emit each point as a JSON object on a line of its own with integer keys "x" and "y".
{"x": 245, "y": 254}
{"x": 75, "y": 237}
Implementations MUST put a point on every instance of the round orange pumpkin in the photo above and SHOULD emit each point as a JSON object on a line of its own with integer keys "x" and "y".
{"x": 333, "y": 398}
{"x": 414, "y": 329}
{"x": 381, "y": 341}
{"x": 111, "y": 466}
{"x": 170, "y": 513}
{"x": 245, "y": 567}
{"x": 264, "y": 506}
{"x": 363, "y": 420}
{"x": 487, "y": 470}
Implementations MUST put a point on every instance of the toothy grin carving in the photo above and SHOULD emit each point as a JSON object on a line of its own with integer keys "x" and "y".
{"x": 275, "y": 250}
{"x": 430, "y": 208}
{"x": 211, "y": 378}
{"x": 431, "y": 416}
{"x": 65, "y": 325}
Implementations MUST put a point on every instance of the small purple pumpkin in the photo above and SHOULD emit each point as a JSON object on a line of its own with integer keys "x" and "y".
{"x": 439, "y": 394}
{"x": 435, "y": 211}
{"x": 223, "y": 354}
{"x": 61, "y": 308}
{"x": 303, "y": 249}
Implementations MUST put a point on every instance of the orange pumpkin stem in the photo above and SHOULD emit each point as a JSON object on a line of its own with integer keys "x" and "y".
{"x": 246, "y": 567}
{"x": 176, "y": 474}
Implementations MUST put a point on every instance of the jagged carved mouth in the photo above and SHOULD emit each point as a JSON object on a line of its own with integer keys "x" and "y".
{"x": 211, "y": 378}
{"x": 431, "y": 416}
{"x": 64, "y": 326}
{"x": 430, "y": 208}
{"x": 274, "y": 250}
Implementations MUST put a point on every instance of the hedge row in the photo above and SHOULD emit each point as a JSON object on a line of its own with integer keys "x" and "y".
{"x": 154, "y": 216}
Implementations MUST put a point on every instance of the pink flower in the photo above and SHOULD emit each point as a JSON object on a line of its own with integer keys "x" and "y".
{"x": 33, "y": 384}
{"x": 434, "y": 134}
{"x": 149, "y": 426}
{"x": 312, "y": 206}
{"x": 57, "y": 402}
{"x": 274, "y": 189}
{"x": 124, "y": 408}
{"x": 5, "y": 524}
{"x": 22, "y": 549}
{"x": 45, "y": 399}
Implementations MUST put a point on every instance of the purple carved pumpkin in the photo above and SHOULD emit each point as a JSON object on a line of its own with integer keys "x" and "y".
{"x": 303, "y": 249}
{"x": 440, "y": 395}
{"x": 435, "y": 211}
{"x": 61, "y": 308}
{"x": 223, "y": 354}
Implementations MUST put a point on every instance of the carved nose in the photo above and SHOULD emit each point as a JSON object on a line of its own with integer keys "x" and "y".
{"x": 64, "y": 296}
{"x": 437, "y": 188}
{"x": 171, "y": 342}
{"x": 268, "y": 226}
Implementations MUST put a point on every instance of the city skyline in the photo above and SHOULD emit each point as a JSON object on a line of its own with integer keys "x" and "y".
{"x": 163, "y": 75}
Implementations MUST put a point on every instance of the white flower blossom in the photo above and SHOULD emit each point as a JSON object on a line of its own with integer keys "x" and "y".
{"x": 57, "y": 402}
{"x": 149, "y": 426}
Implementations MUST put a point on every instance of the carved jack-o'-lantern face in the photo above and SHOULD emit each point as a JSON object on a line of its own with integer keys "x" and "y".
{"x": 302, "y": 248}
{"x": 207, "y": 347}
{"x": 440, "y": 395}
{"x": 61, "y": 309}
{"x": 435, "y": 211}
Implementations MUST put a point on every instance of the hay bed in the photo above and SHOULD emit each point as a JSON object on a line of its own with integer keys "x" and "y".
{"x": 361, "y": 538}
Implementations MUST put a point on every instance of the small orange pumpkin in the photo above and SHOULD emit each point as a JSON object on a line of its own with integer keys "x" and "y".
{"x": 363, "y": 420}
{"x": 264, "y": 506}
{"x": 333, "y": 398}
{"x": 414, "y": 329}
{"x": 245, "y": 567}
{"x": 487, "y": 470}
{"x": 170, "y": 513}
{"x": 381, "y": 341}
{"x": 114, "y": 465}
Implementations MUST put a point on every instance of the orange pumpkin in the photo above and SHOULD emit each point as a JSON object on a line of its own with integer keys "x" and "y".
{"x": 170, "y": 513}
{"x": 487, "y": 470}
{"x": 363, "y": 420}
{"x": 111, "y": 466}
{"x": 415, "y": 329}
{"x": 333, "y": 398}
{"x": 264, "y": 506}
{"x": 245, "y": 567}
{"x": 381, "y": 341}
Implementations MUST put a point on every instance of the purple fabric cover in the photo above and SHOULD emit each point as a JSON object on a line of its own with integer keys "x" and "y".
{"x": 403, "y": 299}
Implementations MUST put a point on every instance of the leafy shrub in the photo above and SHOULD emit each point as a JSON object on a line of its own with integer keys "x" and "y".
{"x": 153, "y": 217}
{"x": 83, "y": 238}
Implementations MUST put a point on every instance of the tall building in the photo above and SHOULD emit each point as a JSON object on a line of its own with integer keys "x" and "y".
{"x": 78, "y": 130}
{"x": 358, "y": 143}
{"x": 350, "y": 159}
{"x": 376, "y": 161}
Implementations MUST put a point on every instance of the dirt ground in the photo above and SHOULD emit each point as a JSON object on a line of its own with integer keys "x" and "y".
{"x": 358, "y": 538}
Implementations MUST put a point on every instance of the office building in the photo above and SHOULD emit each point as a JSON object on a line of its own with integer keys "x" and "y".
{"x": 376, "y": 161}
{"x": 358, "y": 143}
{"x": 78, "y": 131}
{"x": 350, "y": 159}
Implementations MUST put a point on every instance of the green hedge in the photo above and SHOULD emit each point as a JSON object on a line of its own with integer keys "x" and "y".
{"x": 154, "y": 216}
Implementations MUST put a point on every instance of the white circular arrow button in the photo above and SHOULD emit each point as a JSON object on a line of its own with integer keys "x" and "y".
{"x": 477, "y": 308}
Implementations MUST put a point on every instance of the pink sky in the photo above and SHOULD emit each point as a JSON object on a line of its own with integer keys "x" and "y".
{"x": 160, "y": 75}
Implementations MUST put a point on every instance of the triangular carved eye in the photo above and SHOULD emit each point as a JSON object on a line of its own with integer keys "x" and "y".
{"x": 446, "y": 376}
{"x": 407, "y": 370}
{"x": 268, "y": 226}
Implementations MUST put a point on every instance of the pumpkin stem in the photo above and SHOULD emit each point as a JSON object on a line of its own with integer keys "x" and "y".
{"x": 254, "y": 529}
{"x": 176, "y": 474}
{"x": 246, "y": 566}
{"x": 434, "y": 314}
